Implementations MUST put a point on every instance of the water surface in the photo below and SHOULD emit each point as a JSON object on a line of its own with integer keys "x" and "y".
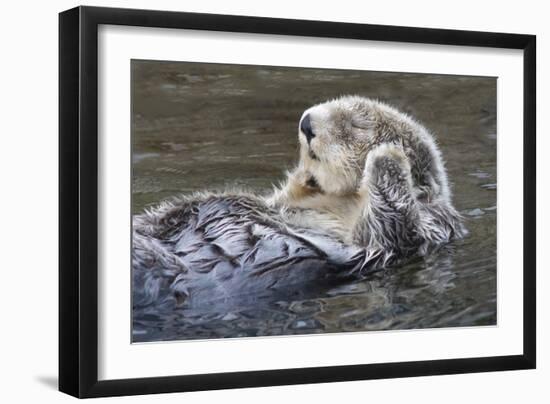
{"x": 209, "y": 126}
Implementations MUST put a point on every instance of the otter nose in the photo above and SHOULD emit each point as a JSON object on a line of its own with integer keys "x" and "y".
{"x": 305, "y": 127}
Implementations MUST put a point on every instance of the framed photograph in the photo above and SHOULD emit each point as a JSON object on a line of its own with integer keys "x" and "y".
{"x": 252, "y": 201}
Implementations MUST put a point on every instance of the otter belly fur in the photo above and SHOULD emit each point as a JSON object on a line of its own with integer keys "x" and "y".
{"x": 370, "y": 189}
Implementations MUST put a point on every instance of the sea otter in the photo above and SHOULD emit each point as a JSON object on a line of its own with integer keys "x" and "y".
{"x": 370, "y": 189}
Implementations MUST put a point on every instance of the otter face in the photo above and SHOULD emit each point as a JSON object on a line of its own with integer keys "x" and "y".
{"x": 334, "y": 141}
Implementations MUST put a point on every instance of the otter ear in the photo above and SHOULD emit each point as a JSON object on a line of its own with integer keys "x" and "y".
{"x": 361, "y": 122}
{"x": 362, "y": 128}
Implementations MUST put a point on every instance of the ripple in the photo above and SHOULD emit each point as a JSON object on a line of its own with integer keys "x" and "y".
{"x": 474, "y": 212}
{"x": 137, "y": 157}
{"x": 480, "y": 175}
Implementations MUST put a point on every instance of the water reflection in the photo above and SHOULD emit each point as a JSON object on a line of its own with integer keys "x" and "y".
{"x": 198, "y": 126}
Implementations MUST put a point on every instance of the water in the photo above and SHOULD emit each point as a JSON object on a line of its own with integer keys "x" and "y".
{"x": 208, "y": 126}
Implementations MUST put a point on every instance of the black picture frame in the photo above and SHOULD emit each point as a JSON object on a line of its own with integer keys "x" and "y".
{"x": 78, "y": 201}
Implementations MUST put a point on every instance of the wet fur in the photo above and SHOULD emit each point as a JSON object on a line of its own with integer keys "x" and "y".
{"x": 370, "y": 189}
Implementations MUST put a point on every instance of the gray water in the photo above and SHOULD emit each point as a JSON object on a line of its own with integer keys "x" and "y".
{"x": 207, "y": 126}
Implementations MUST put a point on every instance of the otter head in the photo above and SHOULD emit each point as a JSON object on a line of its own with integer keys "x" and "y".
{"x": 334, "y": 141}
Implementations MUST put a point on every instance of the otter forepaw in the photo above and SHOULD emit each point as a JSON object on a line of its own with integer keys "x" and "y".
{"x": 387, "y": 166}
{"x": 390, "y": 217}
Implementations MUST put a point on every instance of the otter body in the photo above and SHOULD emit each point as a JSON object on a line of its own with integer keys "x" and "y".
{"x": 215, "y": 246}
{"x": 370, "y": 189}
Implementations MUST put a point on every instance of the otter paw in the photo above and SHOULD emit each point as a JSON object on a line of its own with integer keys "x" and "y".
{"x": 387, "y": 164}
